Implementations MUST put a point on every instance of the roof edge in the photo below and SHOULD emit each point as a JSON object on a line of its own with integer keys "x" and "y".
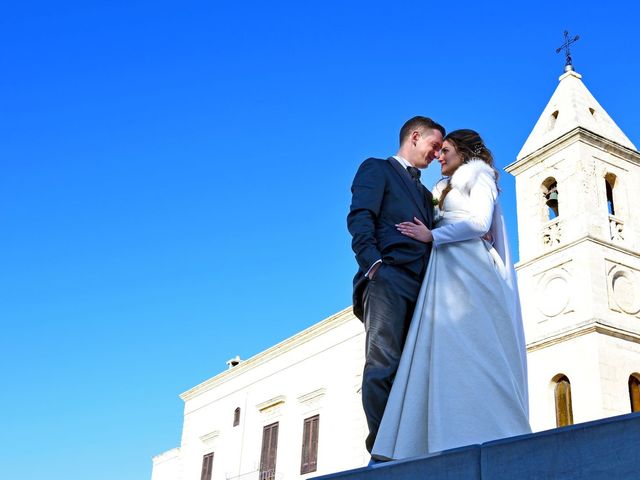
{"x": 280, "y": 348}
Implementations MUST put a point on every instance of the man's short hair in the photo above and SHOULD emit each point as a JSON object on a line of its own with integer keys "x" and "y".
{"x": 416, "y": 123}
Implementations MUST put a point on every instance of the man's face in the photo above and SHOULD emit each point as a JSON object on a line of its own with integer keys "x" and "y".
{"x": 427, "y": 147}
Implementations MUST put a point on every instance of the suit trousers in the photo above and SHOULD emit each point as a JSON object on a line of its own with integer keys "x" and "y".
{"x": 389, "y": 301}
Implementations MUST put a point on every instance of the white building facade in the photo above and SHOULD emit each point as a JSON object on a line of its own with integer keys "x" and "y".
{"x": 294, "y": 411}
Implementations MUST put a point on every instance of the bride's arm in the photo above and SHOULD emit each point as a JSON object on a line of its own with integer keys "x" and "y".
{"x": 482, "y": 200}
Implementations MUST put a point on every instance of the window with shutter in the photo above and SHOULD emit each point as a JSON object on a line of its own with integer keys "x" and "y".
{"x": 269, "y": 452}
{"x": 634, "y": 392}
{"x": 564, "y": 409}
{"x": 236, "y": 417}
{"x": 207, "y": 467}
{"x": 309, "y": 459}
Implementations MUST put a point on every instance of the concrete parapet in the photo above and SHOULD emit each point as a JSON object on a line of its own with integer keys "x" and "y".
{"x": 604, "y": 449}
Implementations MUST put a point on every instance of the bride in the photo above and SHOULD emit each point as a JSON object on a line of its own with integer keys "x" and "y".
{"x": 462, "y": 377}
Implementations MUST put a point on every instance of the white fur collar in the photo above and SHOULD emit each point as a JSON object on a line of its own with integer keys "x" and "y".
{"x": 467, "y": 174}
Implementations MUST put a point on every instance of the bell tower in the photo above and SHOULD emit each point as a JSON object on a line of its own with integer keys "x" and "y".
{"x": 578, "y": 195}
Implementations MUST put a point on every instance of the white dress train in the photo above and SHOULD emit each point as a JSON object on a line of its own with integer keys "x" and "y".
{"x": 462, "y": 377}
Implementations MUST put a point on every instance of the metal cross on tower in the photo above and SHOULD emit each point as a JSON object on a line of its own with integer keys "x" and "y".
{"x": 565, "y": 46}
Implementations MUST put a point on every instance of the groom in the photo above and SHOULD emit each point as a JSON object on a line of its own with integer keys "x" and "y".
{"x": 391, "y": 265}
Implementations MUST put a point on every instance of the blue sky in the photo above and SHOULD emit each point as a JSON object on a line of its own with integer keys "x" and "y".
{"x": 175, "y": 179}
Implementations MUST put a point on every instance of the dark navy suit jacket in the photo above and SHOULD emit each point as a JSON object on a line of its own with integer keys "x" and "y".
{"x": 383, "y": 195}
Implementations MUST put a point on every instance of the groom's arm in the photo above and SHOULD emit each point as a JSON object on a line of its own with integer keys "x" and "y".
{"x": 366, "y": 201}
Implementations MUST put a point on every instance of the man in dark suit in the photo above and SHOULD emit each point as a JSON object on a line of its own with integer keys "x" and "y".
{"x": 391, "y": 265}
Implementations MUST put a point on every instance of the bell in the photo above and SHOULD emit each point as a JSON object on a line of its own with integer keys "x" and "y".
{"x": 552, "y": 201}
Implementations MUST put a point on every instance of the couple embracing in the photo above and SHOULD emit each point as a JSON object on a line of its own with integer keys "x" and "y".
{"x": 445, "y": 359}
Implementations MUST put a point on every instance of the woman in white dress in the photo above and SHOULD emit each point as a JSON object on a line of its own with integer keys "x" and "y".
{"x": 462, "y": 377}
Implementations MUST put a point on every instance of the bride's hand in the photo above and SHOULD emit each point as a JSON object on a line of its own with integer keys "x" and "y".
{"x": 416, "y": 230}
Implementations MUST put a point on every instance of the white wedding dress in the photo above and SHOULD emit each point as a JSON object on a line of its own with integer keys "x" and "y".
{"x": 462, "y": 378}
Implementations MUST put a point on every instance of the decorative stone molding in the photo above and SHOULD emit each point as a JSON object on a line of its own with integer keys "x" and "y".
{"x": 167, "y": 456}
{"x": 578, "y": 134}
{"x": 272, "y": 406}
{"x": 592, "y": 326}
{"x": 553, "y": 291}
{"x": 566, "y": 248}
{"x": 312, "y": 398}
{"x": 552, "y": 233}
{"x": 623, "y": 288}
{"x": 210, "y": 438}
{"x": 616, "y": 229}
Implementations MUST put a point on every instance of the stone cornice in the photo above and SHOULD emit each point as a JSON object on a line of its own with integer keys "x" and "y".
{"x": 272, "y": 402}
{"x": 596, "y": 325}
{"x": 312, "y": 396}
{"x": 210, "y": 437}
{"x": 167, "y": 456}
{"x": 586, "y": 238}
{"x": 569, "y": 138}
{"x": 306, "y": 335}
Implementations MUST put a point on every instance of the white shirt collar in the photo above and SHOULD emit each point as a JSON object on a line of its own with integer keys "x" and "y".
{"x": 402, "y": 161}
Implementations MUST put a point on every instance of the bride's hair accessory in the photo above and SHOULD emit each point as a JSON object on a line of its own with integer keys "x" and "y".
{"x": 469, "y": 144}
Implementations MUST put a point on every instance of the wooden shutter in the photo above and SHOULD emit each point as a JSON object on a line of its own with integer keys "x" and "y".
{"x": 634, "y": 393}
{"x": 309, "y": 458}
{"x": 207, "y": 467}
{"x": 564, "y": 409}
{"x": 269, "y": 452}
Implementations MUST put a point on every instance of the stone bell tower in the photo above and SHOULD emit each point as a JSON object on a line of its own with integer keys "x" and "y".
{"x": 578, "y": 193}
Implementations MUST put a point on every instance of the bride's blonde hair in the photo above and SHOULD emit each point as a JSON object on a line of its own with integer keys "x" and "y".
{"x": 469, "y": 145}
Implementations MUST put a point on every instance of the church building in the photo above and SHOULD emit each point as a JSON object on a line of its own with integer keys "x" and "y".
{"x": 294, "y": 411}
{"x": 577, "y": 181}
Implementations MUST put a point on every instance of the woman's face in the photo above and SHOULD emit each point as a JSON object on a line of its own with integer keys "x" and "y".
{"x": 449, "y": 159}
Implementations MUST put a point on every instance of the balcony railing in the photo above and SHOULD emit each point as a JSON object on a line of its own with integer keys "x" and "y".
{"x": 258, "y": 475}
{"x": 552, "y": 233}
{"x": 616, "y": 229}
